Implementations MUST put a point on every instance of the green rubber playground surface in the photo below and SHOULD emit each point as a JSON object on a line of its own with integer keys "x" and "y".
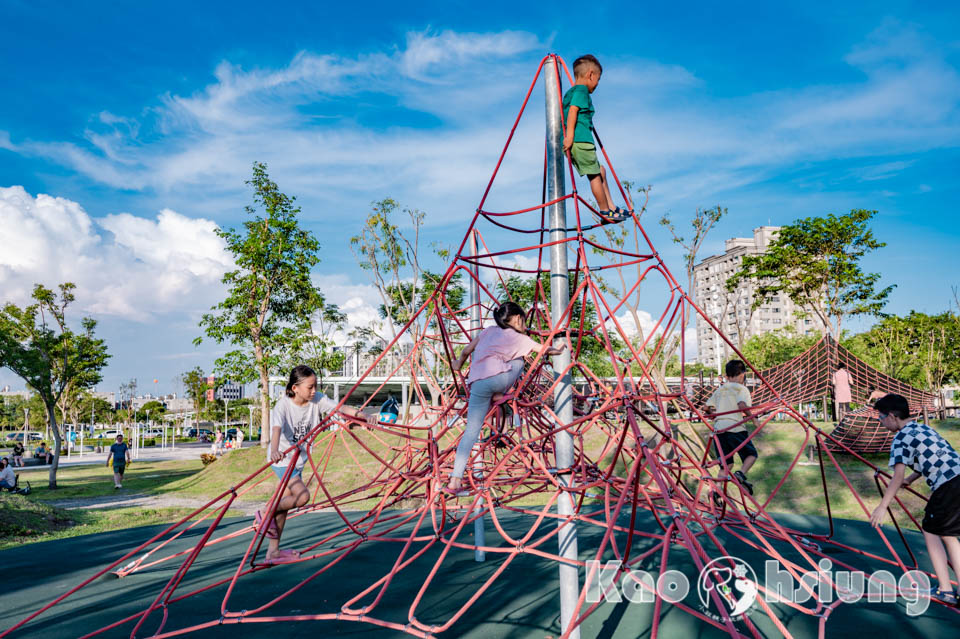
{"x": 522, "y": 602}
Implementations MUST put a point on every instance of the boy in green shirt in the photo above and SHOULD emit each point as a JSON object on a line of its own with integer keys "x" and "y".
{"x": 578, "y": 134}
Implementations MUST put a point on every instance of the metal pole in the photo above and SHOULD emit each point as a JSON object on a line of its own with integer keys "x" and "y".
{"x": 563, "y": 395}
{"x": 479, "y": 534}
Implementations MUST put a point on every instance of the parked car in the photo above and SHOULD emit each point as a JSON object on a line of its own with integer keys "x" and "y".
{"x": 199, "y": 432}
{"x": 151, "y": 432}
{"x": 109, "y": 434}
{"x": 18, "y": 437}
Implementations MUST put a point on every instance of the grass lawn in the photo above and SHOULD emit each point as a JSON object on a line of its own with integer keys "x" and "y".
{"x": 24, "y": 520}
{"x": 96, "y": 480}
{"x": 30, "y": 519}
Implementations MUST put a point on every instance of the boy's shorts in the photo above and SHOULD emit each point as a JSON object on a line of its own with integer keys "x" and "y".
{"x": 942, "y": 514}
{"x": 729, "y": 441}
{"x": 280, "y": 471}
{"x": 119, "y": 468}
{"x": 584, "y": 156}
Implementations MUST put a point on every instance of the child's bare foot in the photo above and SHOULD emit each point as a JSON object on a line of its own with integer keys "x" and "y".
{"x": 284, "y": 556}
{"x": 496, "y": 397}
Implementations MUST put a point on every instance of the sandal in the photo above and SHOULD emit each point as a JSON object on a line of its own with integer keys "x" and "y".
{"x": 449, "y": 492}
{"x": 272, "y": 531}
{"x": 948, "y": 597}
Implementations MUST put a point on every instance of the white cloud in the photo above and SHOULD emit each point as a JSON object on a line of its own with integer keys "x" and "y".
{"x": 122, "y": 265}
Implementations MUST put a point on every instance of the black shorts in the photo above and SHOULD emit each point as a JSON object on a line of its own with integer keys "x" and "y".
{"x": 942, "y": 514}
{"x": 729, "y": 441}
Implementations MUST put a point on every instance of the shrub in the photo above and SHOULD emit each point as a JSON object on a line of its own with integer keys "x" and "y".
{"x": 208, "y": 459}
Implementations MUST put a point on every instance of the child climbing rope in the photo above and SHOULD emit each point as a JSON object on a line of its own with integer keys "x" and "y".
{"x": 929, "y": 455}
{"x": 497, "y": 363}
{"x": 294, "y": 415}
{"x": 578, "y": 135}
{"x": 727, "y": 404}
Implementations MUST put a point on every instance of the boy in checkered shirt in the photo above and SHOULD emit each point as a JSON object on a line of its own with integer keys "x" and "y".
{"x": 930, "y": 455}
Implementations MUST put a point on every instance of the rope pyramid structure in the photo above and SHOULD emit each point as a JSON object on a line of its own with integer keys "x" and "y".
{"x": 636, "y": 446}
{"x": 807, "y": 378}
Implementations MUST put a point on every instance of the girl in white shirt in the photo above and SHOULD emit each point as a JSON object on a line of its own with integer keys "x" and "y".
{"x": 292, "y": 418}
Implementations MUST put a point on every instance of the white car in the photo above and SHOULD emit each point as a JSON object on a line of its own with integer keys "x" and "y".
{"x": 109, "y": 434}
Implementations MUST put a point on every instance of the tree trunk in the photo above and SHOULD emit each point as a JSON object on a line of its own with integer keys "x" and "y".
{"x": 57, "y": 443}
{"x": 264, "y": 397}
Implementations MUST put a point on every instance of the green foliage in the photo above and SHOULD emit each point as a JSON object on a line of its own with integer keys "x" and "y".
{"x": 156, "y": 410}
{"x": 777, "y": 347}
{"x": 919, "y": 349}
{"x": 392, "y": 257}
{"x": 815, "y": 262}
{"x": 703, "y": 220}
{"x": 195, "y": 386}
{"x": 524, "y": 291}
{"x": 314, "y": 345}
{"x": 37, "y": 344}
{"x": 271, "y": 299}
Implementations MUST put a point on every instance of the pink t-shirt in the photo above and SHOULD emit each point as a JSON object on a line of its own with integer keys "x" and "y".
{"x": 841, "y": 386}
{"x": 496, "y": 348}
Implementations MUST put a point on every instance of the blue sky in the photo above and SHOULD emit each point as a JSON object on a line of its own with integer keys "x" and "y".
{"x": 128, "y": 129}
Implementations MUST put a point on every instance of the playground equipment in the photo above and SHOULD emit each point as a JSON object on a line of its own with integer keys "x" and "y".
{"x": 585, "y": 442}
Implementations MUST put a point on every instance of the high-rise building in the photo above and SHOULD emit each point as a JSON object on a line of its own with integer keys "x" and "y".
{"x": 732, "y": 311}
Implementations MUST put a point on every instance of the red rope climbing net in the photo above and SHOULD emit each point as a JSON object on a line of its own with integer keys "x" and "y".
{"x": 642, "y": 444}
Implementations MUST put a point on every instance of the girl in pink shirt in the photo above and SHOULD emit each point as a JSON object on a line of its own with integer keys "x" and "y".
{"x": 497, "y": 363}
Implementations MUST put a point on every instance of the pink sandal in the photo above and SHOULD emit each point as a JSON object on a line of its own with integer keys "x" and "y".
{"x": 272, "y": 531}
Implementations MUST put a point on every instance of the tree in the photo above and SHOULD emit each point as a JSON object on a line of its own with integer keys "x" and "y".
{"x": 37, "y": 344}
{"x": 815, "y": 262}
{"x": 99, "y": 409}
{"x": 314, "y": 346}
{"x": 393, "y": 259}
{"x": 776, "y": 347}
{"x": 152, "y": 410}
{"x": 195, "y": 386}
{"x": 919, "y": 349}
{"x": 271, "y": 297}
{"x": 702, "y": 222}
{"x": 526, "y": 291}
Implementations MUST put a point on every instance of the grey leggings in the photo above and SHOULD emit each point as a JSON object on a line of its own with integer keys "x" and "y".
{"x": 481, "y": 392}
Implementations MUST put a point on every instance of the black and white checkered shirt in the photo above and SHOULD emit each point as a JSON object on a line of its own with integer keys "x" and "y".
{"x": 926, "y": 452}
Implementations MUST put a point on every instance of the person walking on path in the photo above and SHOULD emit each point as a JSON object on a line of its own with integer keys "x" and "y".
{"x": 120, "y": 454}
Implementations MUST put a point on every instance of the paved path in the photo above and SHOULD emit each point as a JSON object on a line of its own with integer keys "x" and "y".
{"x": 121, "y": 500}
{"x": 148, "y": 453}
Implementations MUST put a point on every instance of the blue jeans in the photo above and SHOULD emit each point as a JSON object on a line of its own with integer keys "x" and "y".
{"x": 481, "y": 392}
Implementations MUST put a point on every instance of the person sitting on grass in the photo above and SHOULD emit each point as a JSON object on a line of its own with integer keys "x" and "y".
{"x": 578, "y": 135}
{"x": 120, "y": 453}
{"x": 18, "y": 451}
{"x": 294, "y": 416}
{"x": 42, "y": 452}
{"x": 929, "y": 455}
{"x": 498, "y": 353}
{"x": 8, "y": 481}
{"x": 726, "y": 405}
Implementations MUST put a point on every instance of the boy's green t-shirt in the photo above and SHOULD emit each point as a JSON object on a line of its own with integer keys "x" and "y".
{"x": 579, "y": 96}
